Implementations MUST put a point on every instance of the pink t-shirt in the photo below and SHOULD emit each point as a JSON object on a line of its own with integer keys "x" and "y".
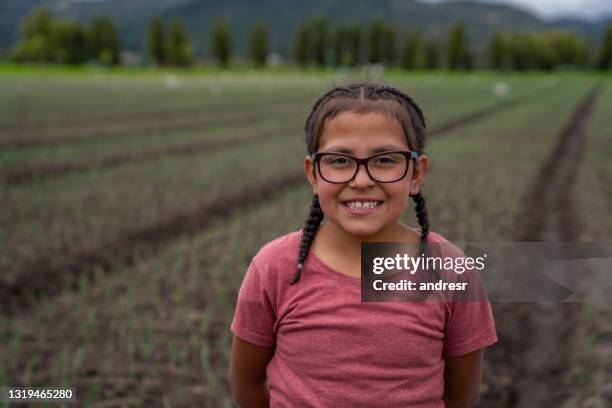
{"x": 332, "y": 350}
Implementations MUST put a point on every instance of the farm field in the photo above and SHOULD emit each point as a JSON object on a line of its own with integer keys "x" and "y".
{"x": 101, "y": 188}
{"x": 121, "y": 272}
{"x": 593, "y": 204}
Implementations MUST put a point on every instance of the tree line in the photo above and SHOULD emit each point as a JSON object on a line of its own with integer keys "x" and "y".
{"x": 316, "y": 42}
{"x": 45, "y": 39}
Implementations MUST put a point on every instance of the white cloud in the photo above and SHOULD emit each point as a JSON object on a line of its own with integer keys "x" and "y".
{"x": 558, "y": 8}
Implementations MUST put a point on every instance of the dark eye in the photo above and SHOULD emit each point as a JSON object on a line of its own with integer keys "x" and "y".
{"x": 387, "y": 159}
{"x": 336, "y": 160}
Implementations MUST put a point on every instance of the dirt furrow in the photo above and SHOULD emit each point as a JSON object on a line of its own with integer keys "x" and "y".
{"x": 102, "y": 115}
{"x": 157, "y": 125}
{"x": 473, "y": 117}
{"x": 46, "y": 170}
{"x": 529, "y": 366}
{"x": 48, "y": 274}
{"x": 548, "y": 207}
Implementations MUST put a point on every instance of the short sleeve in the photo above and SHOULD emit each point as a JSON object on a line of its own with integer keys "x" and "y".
{"x": 254, "y": 315}
{"x": 470, "y": 327}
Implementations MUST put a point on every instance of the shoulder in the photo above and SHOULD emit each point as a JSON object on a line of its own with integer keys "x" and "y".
{"x": 280, "y": 248}
{"x": 435, "y": 237}
{"x": 443, "y": 245}
{"x": 278, "y": 255}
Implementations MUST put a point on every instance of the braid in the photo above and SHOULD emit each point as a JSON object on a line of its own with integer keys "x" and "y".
{"x": 310, "y": 229}
{"x": 421, "y": 212}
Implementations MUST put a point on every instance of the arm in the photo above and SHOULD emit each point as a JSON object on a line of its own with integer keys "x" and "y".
{"x": 462, "y": 376}
{"x": 247, "y": 373}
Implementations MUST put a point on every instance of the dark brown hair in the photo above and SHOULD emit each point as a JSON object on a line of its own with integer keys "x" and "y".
{"x": 362, "y": 97}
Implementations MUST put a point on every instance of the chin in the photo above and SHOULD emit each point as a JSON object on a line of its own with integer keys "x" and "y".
{"x": 364, "y": 232}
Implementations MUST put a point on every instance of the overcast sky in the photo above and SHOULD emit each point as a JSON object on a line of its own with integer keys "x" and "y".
{"x": 556, "y": 8}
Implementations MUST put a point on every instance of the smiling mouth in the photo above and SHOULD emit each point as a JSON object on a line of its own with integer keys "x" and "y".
{"x": 355, "y": 205}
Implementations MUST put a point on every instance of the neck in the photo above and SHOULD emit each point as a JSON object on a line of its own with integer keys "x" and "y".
{"x": 340, "y": 241}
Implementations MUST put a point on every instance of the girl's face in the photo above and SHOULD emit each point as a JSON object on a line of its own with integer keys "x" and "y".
{"x": 363, "y": 135}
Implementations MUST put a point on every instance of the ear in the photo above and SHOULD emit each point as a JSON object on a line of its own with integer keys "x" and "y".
{"x": 309, "y": 170}
{"x": 418, "y": 175}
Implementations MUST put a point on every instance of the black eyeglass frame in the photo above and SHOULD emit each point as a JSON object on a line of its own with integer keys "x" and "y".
{"x": 410, "y": 155}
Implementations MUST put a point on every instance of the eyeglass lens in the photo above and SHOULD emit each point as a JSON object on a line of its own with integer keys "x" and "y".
{"x": 385, "y": 168}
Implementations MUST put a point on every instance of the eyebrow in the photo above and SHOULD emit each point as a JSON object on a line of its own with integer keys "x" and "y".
{"x": 378, "y": 149}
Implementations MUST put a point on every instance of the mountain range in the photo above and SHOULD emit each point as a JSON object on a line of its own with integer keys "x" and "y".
{"x": 283, "y": 17}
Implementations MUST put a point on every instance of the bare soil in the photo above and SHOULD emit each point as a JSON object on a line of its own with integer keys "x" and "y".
{"x": 529, "y": 365}
{"x": 48, "y": 274}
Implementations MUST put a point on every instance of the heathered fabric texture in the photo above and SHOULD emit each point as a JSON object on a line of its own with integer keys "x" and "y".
{"x": 332, "y": 350}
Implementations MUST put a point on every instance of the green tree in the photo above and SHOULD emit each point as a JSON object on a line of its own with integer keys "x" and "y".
{"x": 34, "y": 44}
{"x": 179, "y": 51}
{"x": 411, "y": 51}
{"x": 258, "y": 43}
{"x": 103, "y": 41}
{"x": 346, "y": 44}
{"x": 68, "y": 41}
{"x": 339, "y": 45}
{"x": 523, "y": 52}
{"x": 389, "y": 48}
{"x": 37, "y": 23}
{"x": 376, "y": 41}
{"x": 221, "y": 41}
{"x": 302, "y": 47}
{"x": 531, "y": 52}
{"x": 36, "y": 49}
{"x": 355, "y": 41}
{"x": 546, "y": 51}
{"x": 155, "y": 41}
{"x": 319, "y": 34}
{"x": 431, "y": 53}
{"x": 604, "y": 59}
{"x": 567, "y": 48}
{"x": 459, "y": 54}
{"x": 499, "y": 51}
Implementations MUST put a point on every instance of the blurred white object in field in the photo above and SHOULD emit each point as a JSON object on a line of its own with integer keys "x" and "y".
{"x": 130, "y": 59}
{"x": 274, "y": 60}
{"x": 171, "y": 82}
{"x": 501, "y": 89}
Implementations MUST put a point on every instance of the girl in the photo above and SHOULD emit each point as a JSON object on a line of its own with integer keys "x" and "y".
{"x": 302, "y": 336}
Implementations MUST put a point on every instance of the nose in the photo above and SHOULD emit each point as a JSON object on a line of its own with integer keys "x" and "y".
{"x": 362, "y": 178}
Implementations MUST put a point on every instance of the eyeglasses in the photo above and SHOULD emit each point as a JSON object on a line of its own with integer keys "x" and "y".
{"x": 386, "y": 167}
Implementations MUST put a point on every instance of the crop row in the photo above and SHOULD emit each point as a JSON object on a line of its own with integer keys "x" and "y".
{"x": 57, "y": 218}
{"x": 590, "y": 369}
{"x": 56, "y": 147}
{"x": 161, "y": 327}
{"x": 94, "y": 148}
{"x": 72, "y": 110}
{"x": 98, "y": 97}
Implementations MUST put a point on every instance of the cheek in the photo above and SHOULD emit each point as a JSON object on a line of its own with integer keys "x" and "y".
{"x": 328, "y": 197}
{"x": 398, "y": 192}
{"x": 399, "y": 198}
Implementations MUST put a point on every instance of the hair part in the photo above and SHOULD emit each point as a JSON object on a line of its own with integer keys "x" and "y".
{"x": 362, "y": 97}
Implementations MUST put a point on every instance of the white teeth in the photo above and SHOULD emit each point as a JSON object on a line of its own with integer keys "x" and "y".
{"x": 359, "y": 204}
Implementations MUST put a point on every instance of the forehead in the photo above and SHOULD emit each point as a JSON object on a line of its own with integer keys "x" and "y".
{"x": 352, "y": 132}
